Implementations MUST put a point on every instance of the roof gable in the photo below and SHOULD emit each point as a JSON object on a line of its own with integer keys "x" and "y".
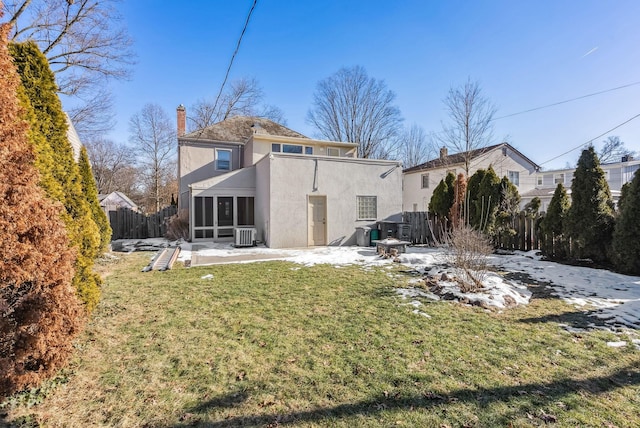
{"x": 239, "y": 128}
{"x": 459, "y": 158}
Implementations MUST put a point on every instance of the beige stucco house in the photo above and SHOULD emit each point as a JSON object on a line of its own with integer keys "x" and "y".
{"x": 247, "y": 172}
{"x": 506, "y": 161}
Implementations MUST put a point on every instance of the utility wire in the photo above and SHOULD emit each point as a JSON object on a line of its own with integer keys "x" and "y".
{"x": 567, "y": 101}
{"x": 594, "y": 138}
{"x": 226, "y": 76}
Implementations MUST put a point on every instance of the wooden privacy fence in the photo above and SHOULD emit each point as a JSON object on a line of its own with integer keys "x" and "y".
{"x": 129, "y": 224}
{"x": 428, "y": 228}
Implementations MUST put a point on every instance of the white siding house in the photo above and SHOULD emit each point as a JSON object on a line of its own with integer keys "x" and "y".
{"x": 617, "y": 175}
{"x": 506, "y": 161}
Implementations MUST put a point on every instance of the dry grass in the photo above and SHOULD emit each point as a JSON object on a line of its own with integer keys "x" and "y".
{"x": 273, "y": 343}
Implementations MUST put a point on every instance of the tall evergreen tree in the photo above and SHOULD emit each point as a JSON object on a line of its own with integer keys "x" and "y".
{"x": 48, "y": 124}
{"x": 443, "y": 194}
{"x": 486, "y": 201}
{"x": 553, "y": 224}
{"x": 626, "y": 235}
{"x": 507, "y": 209}
{"x": 590, "y": 217}
{"x": 40, "y": 312}
{"x": 473, "y": 187}
{"x": 90, "y": 192}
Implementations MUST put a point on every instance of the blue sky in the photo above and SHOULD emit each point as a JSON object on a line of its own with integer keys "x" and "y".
{"x": 524, "y": 54}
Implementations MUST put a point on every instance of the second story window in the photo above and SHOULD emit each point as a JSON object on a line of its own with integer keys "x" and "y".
{"x": 223, "y": 160}
{"x": 291, "y": 148}
{"x": 514, "y": 177}
{"x": 425, "y": 181}
{"x": 558, "y": 178}
{"x": 333, "y": 151}
{"x": 539, "y": 180}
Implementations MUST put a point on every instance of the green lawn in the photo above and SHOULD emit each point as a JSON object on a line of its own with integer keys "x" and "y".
{"x": 274, "y": 343}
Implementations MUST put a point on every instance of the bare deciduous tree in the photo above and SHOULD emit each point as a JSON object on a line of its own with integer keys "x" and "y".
{"x": 243, "y": 97}
{"x": 415, "y": 147}
{"x": 109, "y": 163}
{"x": 613, "y": 150}
{"x": 85, "y": 46}
{"x": 153, "y": 139}
{"x": 471, "y": 116}
{"x": 351, "y": 106}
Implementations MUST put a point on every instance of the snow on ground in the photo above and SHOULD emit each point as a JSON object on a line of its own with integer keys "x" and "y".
{"x": 613, "y": 298}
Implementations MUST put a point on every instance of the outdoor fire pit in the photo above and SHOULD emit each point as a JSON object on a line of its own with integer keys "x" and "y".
{"x": 385, "y": 246}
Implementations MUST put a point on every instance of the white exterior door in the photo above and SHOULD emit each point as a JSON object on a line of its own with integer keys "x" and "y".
{"x": 317, "y": 215}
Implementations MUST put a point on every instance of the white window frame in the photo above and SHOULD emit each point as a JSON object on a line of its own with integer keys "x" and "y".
{"x": 515, "y": 174}
{"x": 218, "y": 151}
{"x": 557, "y": 177}
{"x": 539, "y": 180}
{"x": 422, "y": 181}
{"x": 366, "y": 207}
{"x": 333, "y": 151}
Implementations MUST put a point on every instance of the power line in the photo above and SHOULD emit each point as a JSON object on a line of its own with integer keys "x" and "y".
{"x": 226, "y": 76}
{"x": 594, "y": 138}
{"x": 568, "y": 101}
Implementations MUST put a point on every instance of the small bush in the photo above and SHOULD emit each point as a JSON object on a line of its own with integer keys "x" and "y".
{"x": 469, "y": 250}
{"x": 178, "y": 227}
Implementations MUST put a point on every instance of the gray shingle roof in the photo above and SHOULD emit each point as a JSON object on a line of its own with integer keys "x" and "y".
{"x": 239, "y": 128}
{"x": 458, "y": 158}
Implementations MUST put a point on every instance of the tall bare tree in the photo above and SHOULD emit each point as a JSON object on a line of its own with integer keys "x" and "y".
{"x": 110, "y": 163}
{"x": 415, "y": 147}
{"x": 351, "y": 106}
{"x": 153, "y": 139}
{"x": 613, "y": 150}
{"x": 471, "y": 120}
{"x": 85, "y": 44}
{"x": 243, "y": 97}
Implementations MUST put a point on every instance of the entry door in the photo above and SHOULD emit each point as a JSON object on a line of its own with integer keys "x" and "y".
{"x": 317, "y": 215}
{"x": 225, "y": 216}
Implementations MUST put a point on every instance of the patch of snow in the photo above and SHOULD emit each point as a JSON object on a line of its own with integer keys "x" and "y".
{"x": 208, "y": 276}
{"x": 406, "y": 293}
{"x": 618, "y": 344}
{"x": 419, "y": 312}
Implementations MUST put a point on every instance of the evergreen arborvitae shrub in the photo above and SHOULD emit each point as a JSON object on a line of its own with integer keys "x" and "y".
{"x": 442, "y": 198}
{"x": 473, "y": 186}
{"x": 49, "y": 126}
{"x": 553, "y": 225}
{"x": 90, "y": 191}
{"x": 590, "y": 218}
{"x": 486, "y": 201}
{"x": 40, "y": 313}
{"x": 626, "y": 235}
{"x": 507, "y": 209}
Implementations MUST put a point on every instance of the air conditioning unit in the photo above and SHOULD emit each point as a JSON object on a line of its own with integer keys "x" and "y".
{"x": 244, "y": 236}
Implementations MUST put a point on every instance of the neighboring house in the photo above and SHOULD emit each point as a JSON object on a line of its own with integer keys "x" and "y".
{"x": 295, "y": 191}
{"x": 115, "y": 200}
{"x": 617, "y": 174}
{"x": 421, "y": 180}
{"x": 74, "y": 138}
